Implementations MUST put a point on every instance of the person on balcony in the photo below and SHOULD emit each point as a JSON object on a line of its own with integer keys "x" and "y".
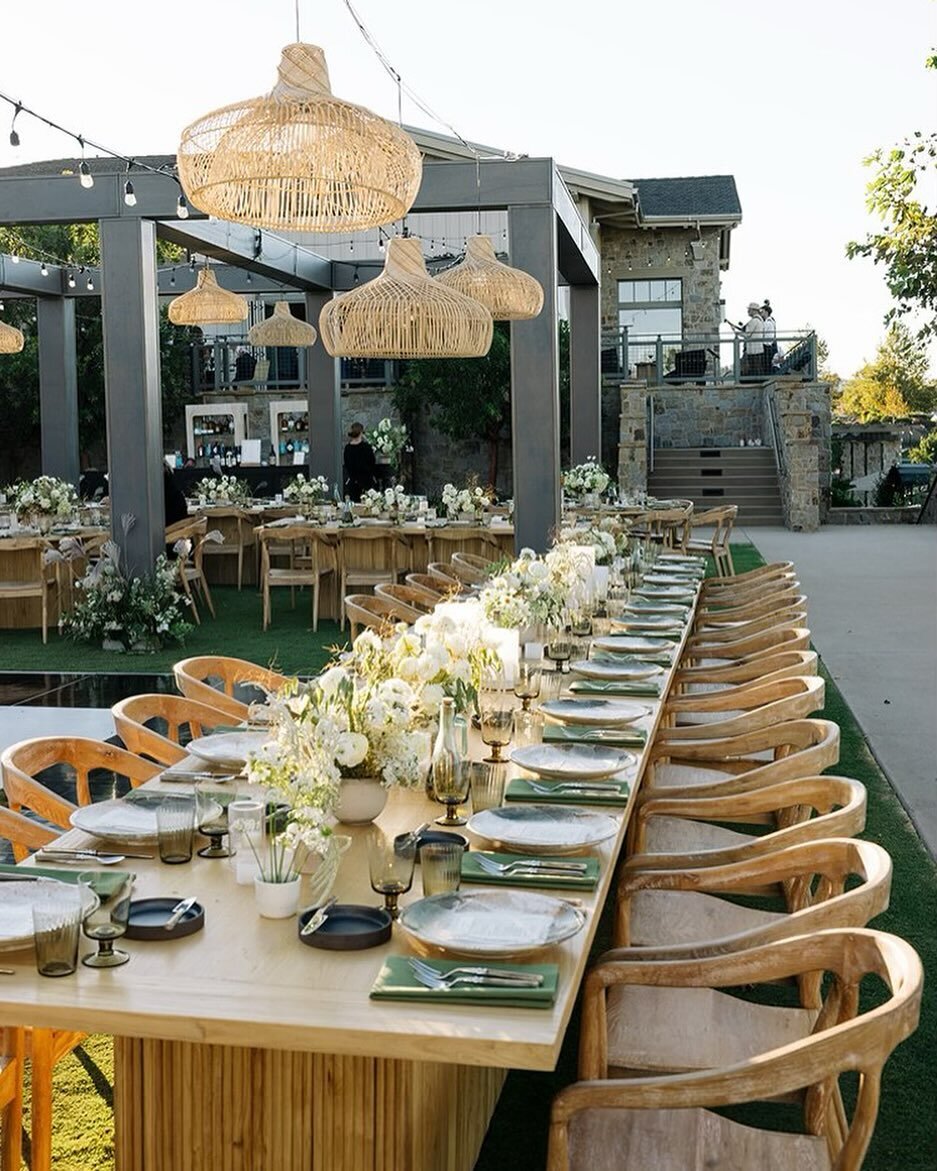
{"x": 771, "y": 336}
{"x": 753, "y": 334}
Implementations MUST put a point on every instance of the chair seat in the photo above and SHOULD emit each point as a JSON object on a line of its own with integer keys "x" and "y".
{"x": 368, "y": 576}
{"x": 662, "y": 918}
{"x": 298, "y": 576}
{"x": 686, "y": 774}
{"x": 686, "y": 1140}
{"x": 673, "y": 1030}
{"x": 682, "y": 835}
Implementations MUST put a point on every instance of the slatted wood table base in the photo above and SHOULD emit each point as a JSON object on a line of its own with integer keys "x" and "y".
{"x": 219, "y": 1108}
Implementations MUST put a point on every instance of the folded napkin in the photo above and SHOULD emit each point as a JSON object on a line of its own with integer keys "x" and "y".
{"x": 626, "y": 659}
{"x": 643, "y": 628}
{"x": 396, "y": 981}
{"x": 645, "y": 687}
{"x": 472, "y": 872}
{"x": 630, "y": 737}
{"x": 519, "y": 790}
{"x": 105, "y": 881}
{"x": 650, "y": 606}
{"x": 652, "y": 595}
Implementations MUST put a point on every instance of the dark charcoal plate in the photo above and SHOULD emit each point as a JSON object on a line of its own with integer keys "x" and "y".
{"x": 347, "y": 928}
{"x": 428, "y": 836}
{"x": 147, "y": 917}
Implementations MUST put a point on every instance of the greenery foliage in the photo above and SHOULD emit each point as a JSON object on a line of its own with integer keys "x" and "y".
{"x": 893, "y": 385}
{"x": 925, "y": 452}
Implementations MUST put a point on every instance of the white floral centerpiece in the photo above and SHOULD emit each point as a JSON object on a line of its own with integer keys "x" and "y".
{"x": 222, "y": 489}
{"x": 395, "y": 499}
{"x": 602, "y": 540}
{"x": 306, "y": 493}
{"x": 536, "y": 590}
{"x": 389, "y": 440}
{"x": 471, "y": 500}
{"x": 45, "y": 499}
{"x": 587, "y": 479}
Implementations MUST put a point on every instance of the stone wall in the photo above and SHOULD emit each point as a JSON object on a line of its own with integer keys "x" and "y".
{"x": 803, "y": 415}
{"x": 707, "y": 416}
{"x": 632, "y": 443}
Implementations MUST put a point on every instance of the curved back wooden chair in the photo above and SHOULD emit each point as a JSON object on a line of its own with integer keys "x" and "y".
{"x": 443, "y": 573}
{"x": 722, "y": 520}
{"x": 24, "y": 834}
{"x": 769, "y": 602}
{"x": 133, "y": 718}
{"x": 793, "y": 615}
{"x": 368, "y": 556}
{"x": 737, "y": 711}
{"x": 22, "y": 762}
{"x": 662, "y": 1120}
{"x": 11, "y": 1098}
{"x": 429, "y": 587}
{"x": 311, "y": 557}
{"x": 778, "y": 665}
{"x": 752, "y": 578}
{"x": 688, "y": 832}
{"x": 236, "y": 526}
{"x": 444, "y": 542}
{"x": 667, "y": 526}
{"x": 406, "y": 597}
{"x": 34, "y": 579}
{"x": 788, "y": 636}
{"x": 372, "y": 611}
{"x": 212, "y": 679}
{"x": 190, "y": 563}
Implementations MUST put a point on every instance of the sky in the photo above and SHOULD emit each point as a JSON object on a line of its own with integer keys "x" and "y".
{"x": 787, "y": 97}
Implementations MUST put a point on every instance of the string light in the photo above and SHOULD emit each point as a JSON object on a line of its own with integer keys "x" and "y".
{"x": 14, "y": 137}
{"x": 130, "y": 197}
{"x": 90, "y": 285}
{"x": 43, "y": 269}
{"x": 182, "y": 207}
{"x": 71, "y": 280}
{"x": 85, "y": 177}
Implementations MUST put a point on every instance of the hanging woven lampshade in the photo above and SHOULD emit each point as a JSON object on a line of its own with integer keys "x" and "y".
{"x": 11, "y": 339}
{"x": 404, "y": 313}
{"x": 282, "y": 329}
{"x": 509, "y": 294}
{"x": 207, "y": 304}
{"x": 299, "y": 158}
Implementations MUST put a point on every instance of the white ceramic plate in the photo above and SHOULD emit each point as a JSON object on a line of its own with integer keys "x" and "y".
{"x": 589, "y": 669}
{"x": 117, "y": 821}
{"x": 543, "y": 829}
{"x": 567, "y": 762}
{"x": 671, "y": 578}
{"x": 16, "y": 909}
{"x": 494, "y": 923}
{"x": 228, "y": 749}
{"x": 594, "y": 713}
{"x": 632, "y": 644}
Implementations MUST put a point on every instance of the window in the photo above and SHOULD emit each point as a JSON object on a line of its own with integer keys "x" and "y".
{"x": 651, "y": 307}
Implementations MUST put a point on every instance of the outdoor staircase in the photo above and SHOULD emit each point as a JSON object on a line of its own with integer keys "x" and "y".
{"x": 710, "y": 476}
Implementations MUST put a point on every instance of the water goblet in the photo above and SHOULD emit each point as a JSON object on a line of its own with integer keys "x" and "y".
{"x": 450, "y": 780}
{"x": 390, "y": 866}
{"x": 527, "y": 680}
{"x": 211, "y": 817}
{"x": 560, "y": 646}
{"x": 496, "y": 717}
{"x": 108, "y": 920}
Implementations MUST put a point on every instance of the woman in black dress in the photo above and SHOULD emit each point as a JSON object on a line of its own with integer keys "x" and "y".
{"x": 360, "y": 463}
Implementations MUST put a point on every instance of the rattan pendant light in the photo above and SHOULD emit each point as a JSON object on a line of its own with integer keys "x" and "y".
{"x": 282, "y": 329}
{"x": 509, "y": 294}
{"x": 299, "y": 158}
{"x": 11, "y": 339}
{"x": 404, "y": 313}
{"x": 207, "y": 304}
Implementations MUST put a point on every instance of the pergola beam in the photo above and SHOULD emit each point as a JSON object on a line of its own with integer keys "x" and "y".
{"x": 253, "y": 250}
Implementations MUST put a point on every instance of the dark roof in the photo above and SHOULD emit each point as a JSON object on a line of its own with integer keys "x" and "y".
{"x": 697, "y": 195}
{"x": 97, "y": 165}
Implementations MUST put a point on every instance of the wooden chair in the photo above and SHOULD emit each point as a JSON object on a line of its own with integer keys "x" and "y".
{"x": 786, "y": 635}
{"x": 708, "y": 831}
{"x": 237, "y": 527}
{"x": 190, "y": 558}
{"x": 427, "y": 586}
{"x": 369, "y": 556}
{"x": 722, "y": 521}
{"x": 752, "y": 578}
{"x": 472, "y": 563}
{"x": 35, "y": 578}
{"x": 662, "y": 1121}
{"x": 789, "y": 615}
{"x": 778, "y": 665}
{"x": 21, "y": 763}
{"x": 372, "y": 611}
{"x": 11, "y": 1099}
{"x": 736, "y": 711}
{"x": 24, "y": 832}
{"x": 133, "y": 718}
{"x": 444, "y": 542}
{"x": 212, "y": 679}
{"x": 444, "y": 575}
{"x": 773, "y": 602}
{"x": 667, "y": 527}
{"x": 311, "y": 559}
{"x": 406, "y": 597}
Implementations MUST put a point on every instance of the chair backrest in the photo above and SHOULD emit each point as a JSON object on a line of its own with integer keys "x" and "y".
{"x": 405, "y": 597}
{"x": 371, "y": 549}
{"x": 211, "y": 679}
{"x": 795, "y": 614}
{"x": 23, "y": 833}
{"x": 31, "y": 550}
{"x": 777, "y": 665}
{"x": 760, "y": 704}
{"x": 304, "y": 537}
{"x": 133, "y": 716}
{"x": 759, "y": 574}
{"x": 754, "y": 606}
{"x": 443, "y": 573}
{"x": 431, "y": 587}
{"x": 469, "y": 568}
{"x": 372, "y": 611}
{"x": 791, "y": 633}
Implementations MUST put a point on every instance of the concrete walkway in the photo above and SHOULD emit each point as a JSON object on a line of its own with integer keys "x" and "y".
{"x": 872, "y": 594}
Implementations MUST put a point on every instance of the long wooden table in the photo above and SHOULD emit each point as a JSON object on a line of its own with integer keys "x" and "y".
{"x": 240, "y": 1048}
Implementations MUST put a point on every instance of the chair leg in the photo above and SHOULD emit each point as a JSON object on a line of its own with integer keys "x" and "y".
{"x": 240, "y": 565}
{"x": 206, "y": 593}
{"x": 315, "y": 605}
{"x": 266, "y": 603}
{"x": 11, "y": 1150}
{"x": 45, "y": 615}
{"x": 41, "y": 1099}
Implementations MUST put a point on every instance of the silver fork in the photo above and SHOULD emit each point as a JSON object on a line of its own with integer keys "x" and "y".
{"x": 614, "y": 790}
{"x": 574, "y": 869}
{"x": 499, "y": 977}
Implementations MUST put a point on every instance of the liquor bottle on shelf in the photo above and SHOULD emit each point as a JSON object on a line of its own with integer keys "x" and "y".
{"x": 289, "y": 447}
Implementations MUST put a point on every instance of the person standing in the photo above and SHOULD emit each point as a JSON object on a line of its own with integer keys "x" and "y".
{"x": 753, "y": 333}
{"x": 360, "y": 464}
{"x": 771, "y": 336}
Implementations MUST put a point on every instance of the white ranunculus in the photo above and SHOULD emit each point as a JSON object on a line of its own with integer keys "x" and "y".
{"x": 538, "y": 571}
{"x": 351, "y": 749}
{"x": 331, "y": 680}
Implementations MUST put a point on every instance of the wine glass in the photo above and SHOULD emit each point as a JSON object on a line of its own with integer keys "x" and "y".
{"x": 496, "y": 716}
{"x": 580, "y": 626}
{"x": 211, "y": 817}
{"x": 527, "y": 680}
{"x": 390, "y": 865}
{"x": 450, "y": 780}
{"x": 560, "y": 646}
{"x": 108, "y": 920}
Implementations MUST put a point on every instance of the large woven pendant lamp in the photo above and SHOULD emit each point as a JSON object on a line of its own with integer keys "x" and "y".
{"x": 509, "y": 294}
{"x": 282, "y": 329}
{"x": 404, "y": 313}
{"x": 299, "y": 158}
{"x": 11, "y": 339}
{"x": 207, "y": 304}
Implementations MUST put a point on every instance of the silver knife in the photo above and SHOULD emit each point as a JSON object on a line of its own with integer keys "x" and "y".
{"x": 540, "y": 863}
{"x": 584, "y": 786}
{"x": 319, "y": 917}
{"x": 178, "y": 911}
{"x": 56, "y": 852}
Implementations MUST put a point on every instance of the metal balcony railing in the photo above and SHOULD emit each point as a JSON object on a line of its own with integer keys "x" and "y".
{"x": 664, "y": 360}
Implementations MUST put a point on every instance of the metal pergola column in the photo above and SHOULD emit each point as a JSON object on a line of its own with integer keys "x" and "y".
{"x": 324, "y": 398}
{"x": 58, "y": 388}
{"x": 585, "y": 381}
{"x": 133, "y": 399}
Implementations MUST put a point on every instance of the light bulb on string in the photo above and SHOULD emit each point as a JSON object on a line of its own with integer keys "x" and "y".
{"x": 130, "y": 197}
{"x": 71, "y": 280}
{"x": 90, "y": 285}
{"x": 14, "y": 136}
{"x": 351, "y": 245}
{"x": 43, "y": 269}
{"x": 182, "y": 207}
{"x": 84, "y": 175}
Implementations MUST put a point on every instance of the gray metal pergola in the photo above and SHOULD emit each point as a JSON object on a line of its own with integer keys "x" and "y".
{"x": 547, "y": 239}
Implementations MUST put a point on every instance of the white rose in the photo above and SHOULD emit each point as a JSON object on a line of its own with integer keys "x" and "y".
{"x": 433, "y": 695}
{"x": 538, "y": 571}
{"x": 351, "y": 749}
{"x": 332, "y": 679}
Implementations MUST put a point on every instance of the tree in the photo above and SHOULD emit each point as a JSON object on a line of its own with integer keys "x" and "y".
{"x": 907, "y": 245}
{"x": 893, "y": 385}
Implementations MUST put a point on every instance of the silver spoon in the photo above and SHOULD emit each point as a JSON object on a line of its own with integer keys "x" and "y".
{"x": 83, "y": 857}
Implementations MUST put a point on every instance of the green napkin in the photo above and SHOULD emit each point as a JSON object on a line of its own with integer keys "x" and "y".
{"x": 105, "y": 881}
{"x": 616, "y": 687}
{"x": 472, "y": 872}
{"x": 396, "y": 981}
{"x": 640, "y": 629}
{"x": 645, "y": 606}
{"x": 577, "y": 734}
{"x": 519, "y": 790}
{"x": 649, "y": 595}
{"x": 630, "y": 659}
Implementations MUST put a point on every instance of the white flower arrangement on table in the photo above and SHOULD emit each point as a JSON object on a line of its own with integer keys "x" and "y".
{"x": 306, "y": 493}
{"x": 535, "y": 589}
{"x": 389, "y": 440}
{"x": 45, "y": 496}
{"x": 585, "y": 479}
{"x": 393, "y": 499}
{"x": 222, "y": 489}
{"x": 473, "y": 498}
{"x": 602, "y": 540}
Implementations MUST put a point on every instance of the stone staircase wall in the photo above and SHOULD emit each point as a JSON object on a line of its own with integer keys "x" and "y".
{"x": 713, "y": 476}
